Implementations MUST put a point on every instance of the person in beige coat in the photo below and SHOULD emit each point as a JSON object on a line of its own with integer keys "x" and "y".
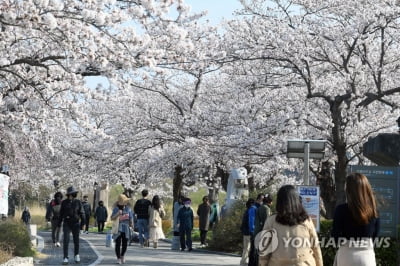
{"x": 292, "y": 239}
{"x": 156, "y": 213}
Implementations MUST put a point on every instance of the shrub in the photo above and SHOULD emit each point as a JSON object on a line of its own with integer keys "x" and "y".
{"x": 226, "y": 234}
{"x": 16, "y": 238}
{"x": 5, "y": 253}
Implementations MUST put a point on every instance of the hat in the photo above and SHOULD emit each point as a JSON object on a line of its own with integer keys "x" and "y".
{"x": 122, "y": 199}
{"x": 71, "y": 190}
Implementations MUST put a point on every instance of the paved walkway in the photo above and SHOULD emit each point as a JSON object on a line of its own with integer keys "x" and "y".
{"x": 94, "y": 252}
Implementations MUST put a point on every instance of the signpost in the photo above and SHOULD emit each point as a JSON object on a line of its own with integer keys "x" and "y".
{"x": 306, "y": 149}
{"x": 386, "y": 184}
{"x": 310, "y": 197}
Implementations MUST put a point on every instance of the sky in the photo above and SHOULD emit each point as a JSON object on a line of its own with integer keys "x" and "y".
{"x": 217, "y": 10}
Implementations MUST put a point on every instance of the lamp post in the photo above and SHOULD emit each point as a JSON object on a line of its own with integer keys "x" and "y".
{"x": 306, "y": 149}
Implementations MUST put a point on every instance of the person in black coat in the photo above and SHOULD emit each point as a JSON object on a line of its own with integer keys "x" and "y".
{"x": 71, "y": 213}
{"x": 185, "y": 225}
{"x": 101, "y": 215}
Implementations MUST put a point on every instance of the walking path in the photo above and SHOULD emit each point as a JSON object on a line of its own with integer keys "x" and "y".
{"x": 94, "y": 252}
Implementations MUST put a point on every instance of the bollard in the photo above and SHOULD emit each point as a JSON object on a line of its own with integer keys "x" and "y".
{"x": 32, "y": 229}
{"x": 175, "y": 244}
{"x": 109, "y": 239}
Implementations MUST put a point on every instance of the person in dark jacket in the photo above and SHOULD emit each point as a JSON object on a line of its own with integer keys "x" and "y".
{"x": 204, "y": 211}
{"x": 26, "y": 216}
{"x": 141, "y": 210}
{"x": 53, "y": 216}
{"x": 71, "y": 213}
{"x": 101, "y": 215}
{"x": 88, "y": 212}
{"x": 185, "y": 225}
{"x": 247, "y": 228}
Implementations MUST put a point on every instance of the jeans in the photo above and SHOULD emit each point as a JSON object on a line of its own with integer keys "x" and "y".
{"x": 85, "y": 226}
{"x": 124, "y": 240}
{"x": 100, "y": 226}
{"x": 143, "y": 228}
{"x": 246, "y": 250}
{"x": 67, "y": 229}
{"x": 188, "y": 242}
{"x": 203, "y": 236}
{"x": 55, "y": 231}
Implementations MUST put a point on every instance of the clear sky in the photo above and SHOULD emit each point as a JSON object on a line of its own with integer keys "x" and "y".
{"x": 217, "y": 9}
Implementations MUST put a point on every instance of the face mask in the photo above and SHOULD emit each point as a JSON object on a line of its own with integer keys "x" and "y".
{"x": 187, "y": 205}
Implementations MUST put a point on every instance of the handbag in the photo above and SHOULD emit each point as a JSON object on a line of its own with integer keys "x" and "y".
{"x": 115, "y": 226}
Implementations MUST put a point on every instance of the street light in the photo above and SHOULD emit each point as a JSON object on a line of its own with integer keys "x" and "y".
{"x": 306, "y": 149}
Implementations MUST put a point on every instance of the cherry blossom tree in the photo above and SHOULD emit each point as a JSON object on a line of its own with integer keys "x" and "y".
{"x": 335, "y": 62}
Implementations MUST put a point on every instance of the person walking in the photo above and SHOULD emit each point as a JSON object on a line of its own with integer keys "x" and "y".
{"x": 262, "y": 214}
{"x": 185, "y": 225}
{"x": 291, "y": 222}
{"x": 214, "y": 216}
{"x": 100, "y": 215}
{"x": 156, "y": 213}
{"x": 123, "y": 213}
{"x": 71, "y": 215}
{"x": 357, "y": 221}
{"x": 53, "y": 216}
{"x": 26, "y": 216}
{"x": 247, "y": 227}
{"x": 204, "y": 211}
{"x": 141, "y": 210}
{"x": 88, "y": 212}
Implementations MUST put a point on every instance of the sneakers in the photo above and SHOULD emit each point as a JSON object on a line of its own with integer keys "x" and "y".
{"x": 122, "y": 259}
{"x": 65, "y": 261}
{"x": 77, "y": 258}
{"x": 119, "y": 261}
{"x": 86, "y": 232}
{"x": 57, "y": 244}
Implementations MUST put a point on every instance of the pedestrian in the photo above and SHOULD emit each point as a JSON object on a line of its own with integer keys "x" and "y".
{"x": 204, "y": 211}
{"x": 185, "y": 225}
{"x": 141, "y": 210}
{"x": 214, "y": 216}
{"x": 123, "y": 213}
{"x": 224, "y": 210}
{"x": 259, "y": 200}
{"x": 88, "y": 212}
{"x": 72, "y": 215}
{"x": 357, "y": 221}
{"x": 262, "y": 212}
{"x": 100, "y": 215}
{"x": 247, "y": 227}
{"x": 53, "y": 216}
{"x": 291, "y": 222}
{"x": 26, "y": 216}
{"x": 156, "y": 213}
{"x": 177, "y": 206}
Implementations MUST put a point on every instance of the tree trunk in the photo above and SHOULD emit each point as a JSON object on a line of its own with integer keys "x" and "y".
{"x": 327, "y": 188}
{"x": 339, "y": 146}
{"x": 177, "y": 183}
